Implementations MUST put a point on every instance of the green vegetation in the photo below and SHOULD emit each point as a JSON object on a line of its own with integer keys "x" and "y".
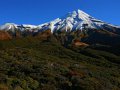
{"x": 34, "y": 64}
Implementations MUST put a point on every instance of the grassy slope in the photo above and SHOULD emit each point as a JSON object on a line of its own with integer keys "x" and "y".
{"x": 32, "y": 64}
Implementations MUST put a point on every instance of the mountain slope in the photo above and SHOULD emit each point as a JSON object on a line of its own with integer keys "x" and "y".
{"x": 75, "y": 52}
{"x": 75, "y": 20}
{"x": 35, "y": 64}
{"x": 75, "y": 25}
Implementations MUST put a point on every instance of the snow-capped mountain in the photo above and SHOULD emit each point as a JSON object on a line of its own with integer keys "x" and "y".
{"x": 73, "y": 21}
{"x": 78, "y": 25}
{"x": 76, "y": 20}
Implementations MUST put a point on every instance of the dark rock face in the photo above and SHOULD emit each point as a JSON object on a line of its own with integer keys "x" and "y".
{"x": 102, "y": 37}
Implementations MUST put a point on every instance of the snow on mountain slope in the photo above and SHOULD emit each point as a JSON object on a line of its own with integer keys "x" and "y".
{"x": 8, "y": 26}
{"x": 72, "y": 21}
{"x": 13, "y": 27}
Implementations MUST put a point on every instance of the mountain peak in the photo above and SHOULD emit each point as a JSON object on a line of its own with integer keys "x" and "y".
{"x": 78, "y": 13}
{"x": 82, "y": 13}
{"x": 72, "y": 21}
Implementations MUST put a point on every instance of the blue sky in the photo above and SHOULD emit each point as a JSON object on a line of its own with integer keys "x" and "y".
{"x": 41, "y": 11}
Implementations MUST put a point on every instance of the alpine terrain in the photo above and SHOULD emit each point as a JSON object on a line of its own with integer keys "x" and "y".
{"x": 75, "y": 52}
